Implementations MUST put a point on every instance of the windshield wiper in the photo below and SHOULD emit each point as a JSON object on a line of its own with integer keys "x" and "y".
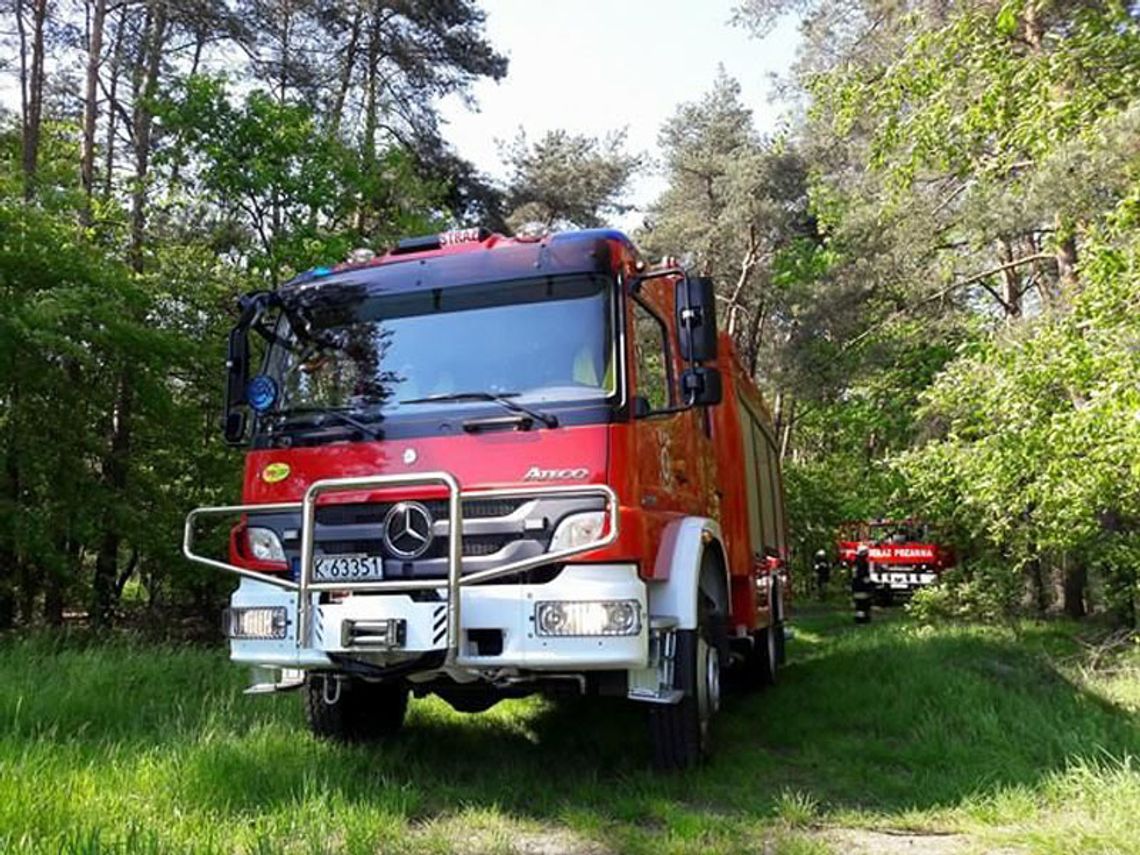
{"x": 503, "y": 399}
{"x": 324, "y": 413}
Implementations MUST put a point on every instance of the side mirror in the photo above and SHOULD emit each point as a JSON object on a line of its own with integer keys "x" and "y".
{"x": 237, "y": 375}
{"x": 696, "y": 319}
{"x": 234, "y": 427}
{"x": 702, "y": 386}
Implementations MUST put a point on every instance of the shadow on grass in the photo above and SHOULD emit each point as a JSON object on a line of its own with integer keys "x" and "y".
{"x": 887, "y": 718}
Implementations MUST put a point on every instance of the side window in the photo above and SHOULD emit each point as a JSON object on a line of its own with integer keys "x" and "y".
{"x": 652, "y": 356}
{"x": 777, "y": 483}
{"x": 764, "y": 467}
{"x": 752, "y": 484}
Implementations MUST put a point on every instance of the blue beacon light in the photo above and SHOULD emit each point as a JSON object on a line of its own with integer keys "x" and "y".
{"x": 261, "y": 393}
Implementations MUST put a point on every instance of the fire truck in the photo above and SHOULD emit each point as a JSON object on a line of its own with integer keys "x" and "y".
{"x": 484, "y": 467}
{"x": 905, "y": 555}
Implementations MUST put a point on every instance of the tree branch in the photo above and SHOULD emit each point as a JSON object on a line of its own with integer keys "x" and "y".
{"x": 977, "y": 277}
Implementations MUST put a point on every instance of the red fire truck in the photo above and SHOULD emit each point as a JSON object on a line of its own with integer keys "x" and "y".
{"x": 905, "y": 555}
{"x": 483, "y": 467}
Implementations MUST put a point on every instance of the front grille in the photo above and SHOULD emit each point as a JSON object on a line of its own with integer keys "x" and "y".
{"x": 364, "y": 513}
{"x": 496, "y": 530}
{"x": 473, "y": 544}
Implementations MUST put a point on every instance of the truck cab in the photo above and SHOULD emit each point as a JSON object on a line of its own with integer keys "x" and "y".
{"x": 482, "y": 467}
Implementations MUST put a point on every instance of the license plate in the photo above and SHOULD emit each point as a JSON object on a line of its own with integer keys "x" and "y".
{"x": 347, "y": 568}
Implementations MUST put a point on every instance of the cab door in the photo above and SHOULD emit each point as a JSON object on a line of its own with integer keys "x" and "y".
{"x": 669, "y": 456}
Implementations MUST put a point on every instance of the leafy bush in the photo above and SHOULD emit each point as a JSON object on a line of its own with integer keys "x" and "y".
{"x": 978, "y": 591}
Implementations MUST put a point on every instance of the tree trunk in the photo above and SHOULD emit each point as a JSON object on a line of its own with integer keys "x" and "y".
{"x": 116, "y": 462}
{"x": 9, "y": 559}
{"x": 756, "y": 338}
{"x": 53, "y": 600}
{"x": 31, "y": 90}
{"x": 1040, "y": 589}
{"x": 27, "y": 584}
{"x": 1067, "y": 264}
{"x": 114, "y": 476}
{"x": 1011, "y": 284}
{"x": 112, "y": 115}
{"x": 143, "y": 122}
{"x": 371, "y": 117}
{"x": 786, "y": 436}
{"x": 1075, "y": 580}
{"x": 346, "y": 73}
{"x": 91, "y": 107}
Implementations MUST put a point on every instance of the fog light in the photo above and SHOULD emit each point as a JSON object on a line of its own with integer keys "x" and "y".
{"x": 613, "y": 617}
{"x": 255, "y": 622}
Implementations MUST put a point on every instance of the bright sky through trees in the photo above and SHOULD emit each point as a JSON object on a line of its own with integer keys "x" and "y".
{"x": 592, "y": 66}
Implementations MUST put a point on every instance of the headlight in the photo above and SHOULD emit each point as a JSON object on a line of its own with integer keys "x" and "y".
{"x": 577, "y": 530}
{"x": 265, "y": 545}
{"x": 613, "y": 617}
{"x": 268, "y": 622}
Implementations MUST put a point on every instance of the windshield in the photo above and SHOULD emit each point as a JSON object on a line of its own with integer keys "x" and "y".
{"x": 538, "y": 341}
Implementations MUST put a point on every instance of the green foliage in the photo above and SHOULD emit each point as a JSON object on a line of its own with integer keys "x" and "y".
{"x": 138, "y": 198}
{"x": 566, "y": 180}
{"x": 967, "y": 317}
{"x": 298, "y": 194}
{"x": 978, "y": 591}
{"x": 735, "y": 210}
{"x": 1038, "y": 429}
{"x": 72, "y": 324}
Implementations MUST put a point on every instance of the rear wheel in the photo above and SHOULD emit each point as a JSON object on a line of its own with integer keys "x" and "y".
{"x": 349, "y": 709}
{"x": 780, "y": 639}
{"x": 768, "y": 654}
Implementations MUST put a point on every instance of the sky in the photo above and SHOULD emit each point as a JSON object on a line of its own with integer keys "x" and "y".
{"x": 593, "y": 66}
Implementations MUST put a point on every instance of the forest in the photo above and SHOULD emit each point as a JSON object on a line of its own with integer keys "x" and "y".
{"x": 932, "y": 268}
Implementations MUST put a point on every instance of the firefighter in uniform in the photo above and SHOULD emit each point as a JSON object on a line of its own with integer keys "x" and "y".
{"x": 862, "y": 588}
{"x": 822, "y": 569}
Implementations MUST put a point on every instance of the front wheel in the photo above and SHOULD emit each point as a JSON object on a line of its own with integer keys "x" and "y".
{"x": 681, "y": 731}
{"x": 349, "y": 709}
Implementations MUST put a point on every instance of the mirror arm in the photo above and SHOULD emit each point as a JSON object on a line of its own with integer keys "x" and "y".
{"x": 670, "y": 411}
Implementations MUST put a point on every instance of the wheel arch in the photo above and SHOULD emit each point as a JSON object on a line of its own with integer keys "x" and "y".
{"x": 679, "y": 564}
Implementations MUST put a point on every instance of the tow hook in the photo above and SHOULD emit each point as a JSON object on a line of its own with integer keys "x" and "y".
{"x": 331, "y": 697}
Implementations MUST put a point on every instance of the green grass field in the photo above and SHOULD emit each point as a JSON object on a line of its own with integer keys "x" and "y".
{"x": 1003, "y": 739}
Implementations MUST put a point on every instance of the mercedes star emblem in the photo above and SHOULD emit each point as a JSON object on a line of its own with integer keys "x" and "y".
{"x": 407, "y": 530}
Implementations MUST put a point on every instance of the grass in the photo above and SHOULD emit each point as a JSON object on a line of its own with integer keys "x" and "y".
{"x": 1007, "y": 738}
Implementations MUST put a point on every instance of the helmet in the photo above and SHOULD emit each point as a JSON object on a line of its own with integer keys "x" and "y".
{"x": 821, "y": 554}
{"x": 863, "y": 549}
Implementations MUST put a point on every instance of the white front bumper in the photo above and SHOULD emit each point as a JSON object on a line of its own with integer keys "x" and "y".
{"x": 507, "y": 608}
{"x": 903, "y": 580}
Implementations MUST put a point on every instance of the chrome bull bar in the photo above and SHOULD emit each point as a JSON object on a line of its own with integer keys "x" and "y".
{"x": 306, "y": 585}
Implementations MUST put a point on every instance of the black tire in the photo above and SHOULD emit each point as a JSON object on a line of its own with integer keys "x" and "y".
{"x": 680, "y": 731}
{"x": 360, "y": 711}
{"x": 778, "y": 628}
{"x": 767, "y": 654}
